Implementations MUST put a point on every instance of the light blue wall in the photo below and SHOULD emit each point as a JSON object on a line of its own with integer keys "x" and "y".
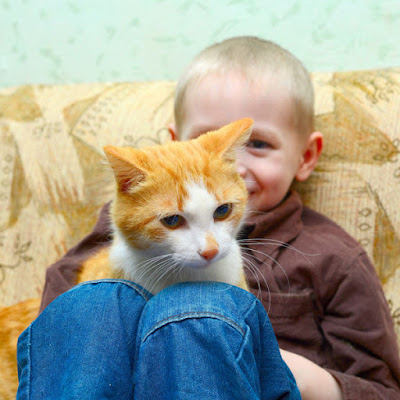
{"x": 63, "y": 41}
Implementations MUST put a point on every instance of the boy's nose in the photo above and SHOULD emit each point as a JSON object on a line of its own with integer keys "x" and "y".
{"x": 241, "y": 170}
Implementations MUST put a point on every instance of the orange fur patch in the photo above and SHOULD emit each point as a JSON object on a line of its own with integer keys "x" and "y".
{"x": 168, "y": 169}
{"x": 211, "y": 242}
{"x": 13, "y": 321}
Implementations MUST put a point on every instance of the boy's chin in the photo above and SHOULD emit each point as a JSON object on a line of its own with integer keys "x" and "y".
{"x": 252, "y": 204}
{"x": 256, "y": 205}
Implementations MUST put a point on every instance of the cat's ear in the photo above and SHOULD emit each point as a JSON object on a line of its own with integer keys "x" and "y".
{"x": 226, "y": 140}
{"x": 126, "y": 173}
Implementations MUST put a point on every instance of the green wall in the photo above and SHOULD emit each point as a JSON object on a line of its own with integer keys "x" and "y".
{"x": 65, "y": 41}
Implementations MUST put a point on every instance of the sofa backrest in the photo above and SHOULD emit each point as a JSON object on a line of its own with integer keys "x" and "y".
{"x": 53, "y": 179}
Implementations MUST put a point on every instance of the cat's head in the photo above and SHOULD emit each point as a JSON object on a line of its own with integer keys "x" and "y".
{"x": 181, "y": 198}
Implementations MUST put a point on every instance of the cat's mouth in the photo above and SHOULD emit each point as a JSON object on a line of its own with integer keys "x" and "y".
{"x": 199, "y": 264}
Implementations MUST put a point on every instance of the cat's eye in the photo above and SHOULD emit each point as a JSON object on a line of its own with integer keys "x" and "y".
{"x": 223, "y": 211}
{"x": 173, "y": 221}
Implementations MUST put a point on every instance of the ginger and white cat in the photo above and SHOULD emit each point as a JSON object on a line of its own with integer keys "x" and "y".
{"x": 177, "y": 210}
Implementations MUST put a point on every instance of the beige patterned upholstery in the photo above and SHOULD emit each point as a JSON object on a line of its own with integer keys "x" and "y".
{"x": 53, "y": 181}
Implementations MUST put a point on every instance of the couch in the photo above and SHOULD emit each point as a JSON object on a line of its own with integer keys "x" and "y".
{"x": 53, "y": 180}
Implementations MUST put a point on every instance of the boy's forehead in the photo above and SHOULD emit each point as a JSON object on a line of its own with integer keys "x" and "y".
{"x": 237, "y": 80}
{"x": 258, "y": 130}
{"x": 200, "y": 129}
{"x": 216, "y": 100}
{"x": 234, "y": 93}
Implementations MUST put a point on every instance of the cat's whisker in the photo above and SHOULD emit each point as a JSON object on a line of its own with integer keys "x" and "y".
{"x": 176, "y": 272}
{"x": 152, "y": 260}
{"x": 281, "y": 243}
{"x": 166, "y": 268}
{"x": 181, "y": 272}
{"x": 275, "y": 262}
{"x": 149, "y": 264}
{"x": 157, "y": 268}
{"x": 155, "y": 264}
{"x": 274, "y": 241}
{"x": 249, "y": 266}
{"x": 266, "y": 240}
{"x": 143, "y": 273}
{"x": 256, "y": 269}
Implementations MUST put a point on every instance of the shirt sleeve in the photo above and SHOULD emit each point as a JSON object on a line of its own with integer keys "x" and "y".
{"x": 357, "y": 325}
{"x": 61, "y": 276}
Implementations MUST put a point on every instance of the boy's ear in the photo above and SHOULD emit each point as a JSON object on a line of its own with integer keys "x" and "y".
{"x": 172, "y": 131}
{"x": 311, "y": 154}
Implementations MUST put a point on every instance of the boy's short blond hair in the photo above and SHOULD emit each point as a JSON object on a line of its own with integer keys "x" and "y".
{"x": 257, "y": 59}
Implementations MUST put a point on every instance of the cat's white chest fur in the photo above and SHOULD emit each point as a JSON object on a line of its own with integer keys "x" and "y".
{"x": 178, "y": 258}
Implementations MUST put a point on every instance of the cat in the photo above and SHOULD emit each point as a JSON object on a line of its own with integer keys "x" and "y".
{"x": 177, "y": 210}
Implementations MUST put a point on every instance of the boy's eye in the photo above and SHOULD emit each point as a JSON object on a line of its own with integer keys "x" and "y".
{"x": 172, "y": 222}
{"x": 223, "y": 211}
{"x": 258, "y": 144}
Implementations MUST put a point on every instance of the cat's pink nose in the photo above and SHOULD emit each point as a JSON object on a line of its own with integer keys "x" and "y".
{"x": 209, "y": 254}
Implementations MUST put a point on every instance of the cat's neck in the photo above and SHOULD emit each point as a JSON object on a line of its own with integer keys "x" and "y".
{"x": 148, "y": 269}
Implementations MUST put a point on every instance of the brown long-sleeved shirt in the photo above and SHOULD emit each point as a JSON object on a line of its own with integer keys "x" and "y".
{"x": 322, "y": 294}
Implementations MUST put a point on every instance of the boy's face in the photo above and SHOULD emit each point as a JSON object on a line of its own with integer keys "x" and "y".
{"x": 274, "y": 154}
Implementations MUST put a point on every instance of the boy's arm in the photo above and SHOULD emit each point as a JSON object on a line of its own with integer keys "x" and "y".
{"x": 314, "y": 382}
{"x": 357, "y": 326}
{"x": 61, "y": 276}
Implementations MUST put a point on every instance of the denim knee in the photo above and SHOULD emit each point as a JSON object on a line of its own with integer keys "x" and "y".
{"x": 84, "y": 339}
{"x": 202, "y": 333}
{"x": 209, "y": 340}
{"x": 197, "y": 300}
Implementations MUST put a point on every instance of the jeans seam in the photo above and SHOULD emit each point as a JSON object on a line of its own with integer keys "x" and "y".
{"x": 193, "y": 314}
{"x": 252, "y": 305}
{"x": 240, "y": 353}
{"x": 28, "y": 389}
{"x": 130, "y": 284}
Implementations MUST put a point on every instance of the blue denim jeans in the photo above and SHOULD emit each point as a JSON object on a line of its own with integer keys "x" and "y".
{"x": 111, "y": 339}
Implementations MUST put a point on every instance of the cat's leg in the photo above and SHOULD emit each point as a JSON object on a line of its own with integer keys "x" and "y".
{"x": 209, "y": 340}
{"x": 82, "y": 346}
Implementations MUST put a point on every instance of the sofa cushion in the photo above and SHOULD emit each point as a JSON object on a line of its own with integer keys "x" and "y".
{"x": 53, "y": 180}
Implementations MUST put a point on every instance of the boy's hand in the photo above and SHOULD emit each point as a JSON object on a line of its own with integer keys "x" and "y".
{"x": 313, "y": 381}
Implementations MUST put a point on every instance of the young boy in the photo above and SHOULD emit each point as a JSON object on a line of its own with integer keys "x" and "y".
{"x": 327, "y": 309}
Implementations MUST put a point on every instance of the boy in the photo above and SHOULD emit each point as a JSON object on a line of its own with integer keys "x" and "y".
{"x": 328, "y": 311}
